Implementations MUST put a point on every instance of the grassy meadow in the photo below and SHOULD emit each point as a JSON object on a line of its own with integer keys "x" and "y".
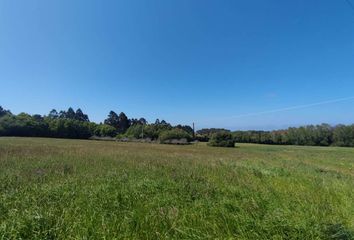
{"x": 79, "y": 189}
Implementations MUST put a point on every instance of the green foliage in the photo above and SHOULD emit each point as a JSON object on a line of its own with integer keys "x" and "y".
{"x": 104, "y": 130}
{"x": 203, "y": 135}
{"x": 153, "y": 131}
{"x": 70, "y": 114}
{"x": 202, "y": 138}
{"x": 141, "y": 121}
{"x": 344, "y": 136}
{"x": 69, "y": 128}
{"x": 123, "y": 123}
{"x": 186, "y": 128}
{"x": 222, "y": 139}
{"x": 80, "y": 116}
{"x": 71, "y": 124}
{"x": 37, "y": 126}
{"x": 318, "y": 135}
{"x": 120, "y": 122}
{"x": 76, "y": 124}
{"x": 4, "y": 112}
{"x": 53, "y": 114}
{"x": 174, "y": 134}
{"x": 135, "y": 131}
{"x": 22, "y": 125}
{"x": 112, "y": 119}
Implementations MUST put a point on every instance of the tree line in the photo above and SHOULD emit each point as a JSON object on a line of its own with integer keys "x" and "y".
{"x": 310, "y": 135}
{"x": 76, "y": 124}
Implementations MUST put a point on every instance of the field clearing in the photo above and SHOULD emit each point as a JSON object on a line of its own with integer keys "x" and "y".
{"x": 80, "y": 189}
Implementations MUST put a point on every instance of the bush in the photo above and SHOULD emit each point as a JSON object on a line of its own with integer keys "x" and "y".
{"x": 222, "y": 139}
{"x": 202, "y": 138}
{"x": 134, "y": 131}
{"x": 104, "y": 130}
{"x": 172, "y": 136}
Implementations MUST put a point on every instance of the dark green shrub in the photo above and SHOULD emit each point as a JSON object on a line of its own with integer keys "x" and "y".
{"x": 135, "y": 131}
{"x": 172, "y": 136}
{"x": 202, "y": 138}
{"x": 104, "y": 130}
{"x": 153, "y": 131}
{"x": 222, "y": 139}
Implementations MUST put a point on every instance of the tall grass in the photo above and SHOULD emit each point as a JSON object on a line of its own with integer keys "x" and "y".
{"x": 77, "y": 189}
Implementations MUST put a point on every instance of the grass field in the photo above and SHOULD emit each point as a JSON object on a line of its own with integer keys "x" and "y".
{"x": 77, "y": 189}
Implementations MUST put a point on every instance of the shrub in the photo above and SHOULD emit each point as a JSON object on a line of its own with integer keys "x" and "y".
{"x": 202, "y": 138}
{"x": 104, "y": 130}
{"x": 134, "y": 131}
{"x": 171, "y": 136}
{"x": 222, "y": 139}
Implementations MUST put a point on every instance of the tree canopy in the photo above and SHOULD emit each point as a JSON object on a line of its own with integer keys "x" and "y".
{"x": 76, "y": 124}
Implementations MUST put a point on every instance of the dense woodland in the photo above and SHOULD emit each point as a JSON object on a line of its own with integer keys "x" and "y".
{"x": 311, "y": 135}
{"x": 76, "y": 124}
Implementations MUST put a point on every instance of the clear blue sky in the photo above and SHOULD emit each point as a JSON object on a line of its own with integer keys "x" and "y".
{"x": 186, "y": 60}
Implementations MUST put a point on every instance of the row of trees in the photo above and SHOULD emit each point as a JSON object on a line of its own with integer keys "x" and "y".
{"x": 70, "y": 114}
{"x": 76, "y": 124}
{"x": 312, "y": 135}
{"x": 38, "y": 126}
{"x": 156, "y": 131}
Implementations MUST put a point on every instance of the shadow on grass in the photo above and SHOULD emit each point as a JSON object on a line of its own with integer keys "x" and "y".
{"x": 338, "y": 232}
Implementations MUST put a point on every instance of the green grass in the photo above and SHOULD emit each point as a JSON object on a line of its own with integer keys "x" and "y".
{"x": 77, "y": 189}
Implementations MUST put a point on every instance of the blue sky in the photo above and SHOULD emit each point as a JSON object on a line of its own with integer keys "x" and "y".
{"x": 212, "y": 62}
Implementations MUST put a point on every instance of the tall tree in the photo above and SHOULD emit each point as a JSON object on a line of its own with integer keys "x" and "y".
{"x": 37, "y": 117}
{"x": 112, "y": 120}
{"x": 123, "y": 122}
{"x": 79, "y": 115}
{"x": 3, "y": 112}
{"x": 133, "y": 121}
{"x": 70, "y": 113}
{"x": 53, "y": 114}
{"x": 62, "y": 114}
{"x": 143, "y": 121}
